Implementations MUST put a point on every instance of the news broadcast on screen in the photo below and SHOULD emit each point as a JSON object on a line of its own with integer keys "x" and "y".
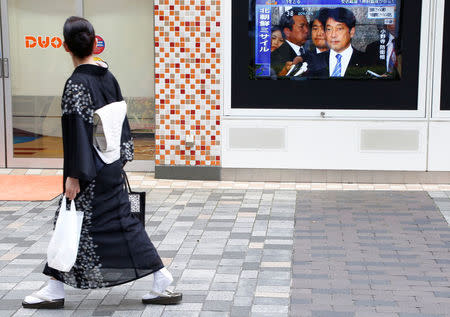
{"x": 325, "y": 39}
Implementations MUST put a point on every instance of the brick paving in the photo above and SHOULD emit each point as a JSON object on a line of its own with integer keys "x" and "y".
{"x": 259, "y": 252}
{"x": 370, "y": 253}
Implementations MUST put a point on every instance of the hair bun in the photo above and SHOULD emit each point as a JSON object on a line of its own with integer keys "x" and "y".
{"x": 79, "y": 35}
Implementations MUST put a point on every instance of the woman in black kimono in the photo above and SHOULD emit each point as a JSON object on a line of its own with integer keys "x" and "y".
{"x": 114, "y": 247}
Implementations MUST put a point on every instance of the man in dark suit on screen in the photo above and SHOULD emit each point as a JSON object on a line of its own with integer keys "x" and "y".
{"x": 383, "y": 55}
{"x": 317, "y": 26}
{"x": 342, "y": 60}
{"x": 295, "y": 29}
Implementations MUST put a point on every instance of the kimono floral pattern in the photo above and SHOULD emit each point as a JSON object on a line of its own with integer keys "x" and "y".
{"x": 127, "y": 151}
{"x": 77, "y": 100}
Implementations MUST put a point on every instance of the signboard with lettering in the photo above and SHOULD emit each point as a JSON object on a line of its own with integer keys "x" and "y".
{"x": 42, "y": 41}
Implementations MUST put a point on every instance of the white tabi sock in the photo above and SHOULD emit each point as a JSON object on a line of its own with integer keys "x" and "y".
{"x": 53, "y": 290}
{"x": 161, "y": 280}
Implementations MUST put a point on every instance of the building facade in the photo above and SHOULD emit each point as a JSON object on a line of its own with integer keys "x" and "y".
{"x": 193, "y": 117}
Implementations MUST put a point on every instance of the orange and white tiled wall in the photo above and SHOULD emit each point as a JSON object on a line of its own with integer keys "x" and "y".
{"x": 188, "y": 82}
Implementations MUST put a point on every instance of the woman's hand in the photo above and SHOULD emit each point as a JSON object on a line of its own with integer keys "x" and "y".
{"x": 72, "y": 187}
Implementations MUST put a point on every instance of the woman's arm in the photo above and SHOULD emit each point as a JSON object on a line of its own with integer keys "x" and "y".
{"x": 77, "y": 127}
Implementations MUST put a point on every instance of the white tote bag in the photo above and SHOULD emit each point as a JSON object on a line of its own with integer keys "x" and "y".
{"x": 63, "y": 247}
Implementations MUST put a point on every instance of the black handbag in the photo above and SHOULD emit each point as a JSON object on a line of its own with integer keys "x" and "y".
{"x": 137, "y": 201}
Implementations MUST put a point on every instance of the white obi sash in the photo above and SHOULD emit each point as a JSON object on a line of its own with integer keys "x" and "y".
{"x": 108, "y": 122}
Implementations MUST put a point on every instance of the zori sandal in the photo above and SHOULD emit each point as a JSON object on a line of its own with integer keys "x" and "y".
{"x": 166, "y": 298}
{"x": 46, "y": 303}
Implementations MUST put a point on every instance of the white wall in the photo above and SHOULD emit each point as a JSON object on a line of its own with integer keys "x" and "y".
{"x": 439, "y": 144}
{"x": 439, "y": 155}
{"x": 328, "y": 144}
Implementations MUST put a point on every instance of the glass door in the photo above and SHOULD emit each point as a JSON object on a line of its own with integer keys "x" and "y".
{"x": 125, "y": 32}
{"x": 39, "y": 67}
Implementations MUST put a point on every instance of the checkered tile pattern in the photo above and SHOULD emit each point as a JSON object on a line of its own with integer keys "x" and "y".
{"x": 187, "y": 80}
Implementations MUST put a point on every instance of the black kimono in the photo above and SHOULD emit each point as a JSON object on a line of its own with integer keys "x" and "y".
{"x": 114, "y": 247}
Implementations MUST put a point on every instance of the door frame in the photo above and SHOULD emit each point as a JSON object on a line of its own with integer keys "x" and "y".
{"x": 2, "y": 104}
{"x": 437, "y": 113}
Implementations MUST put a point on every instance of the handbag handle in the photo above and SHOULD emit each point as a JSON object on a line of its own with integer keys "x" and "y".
{"x": 127, "y": 183}
{"x": 64, "y": 204}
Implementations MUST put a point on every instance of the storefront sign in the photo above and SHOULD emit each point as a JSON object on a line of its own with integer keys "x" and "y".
{"x": 100, "y": 45}
{"x": 42, "y": 42}
{"x": 56, "y": 42}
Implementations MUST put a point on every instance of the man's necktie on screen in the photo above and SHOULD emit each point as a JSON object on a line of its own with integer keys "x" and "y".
{"x": 302, "y": 51}
{"x": 392, "y": 59}
{"x": 338, "y": 68}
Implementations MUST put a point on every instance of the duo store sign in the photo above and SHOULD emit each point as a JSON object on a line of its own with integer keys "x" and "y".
{"x": 42, "y": 41}
{"x": 56, "y": 42}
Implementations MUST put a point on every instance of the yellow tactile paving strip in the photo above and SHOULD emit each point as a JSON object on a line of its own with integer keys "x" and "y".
{"x": 147, "y": 180}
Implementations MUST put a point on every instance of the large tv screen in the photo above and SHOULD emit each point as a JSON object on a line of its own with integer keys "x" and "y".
{"x": 326, "y": 54}
{"x": 325, "y": 39}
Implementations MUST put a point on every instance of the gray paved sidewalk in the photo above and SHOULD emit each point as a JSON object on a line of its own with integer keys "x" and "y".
{"x": 232, "y": 254}
{"x": 370, "y": 254}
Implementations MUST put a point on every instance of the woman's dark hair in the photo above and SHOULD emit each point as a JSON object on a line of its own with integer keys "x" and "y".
{"x": 79, "y": 36}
